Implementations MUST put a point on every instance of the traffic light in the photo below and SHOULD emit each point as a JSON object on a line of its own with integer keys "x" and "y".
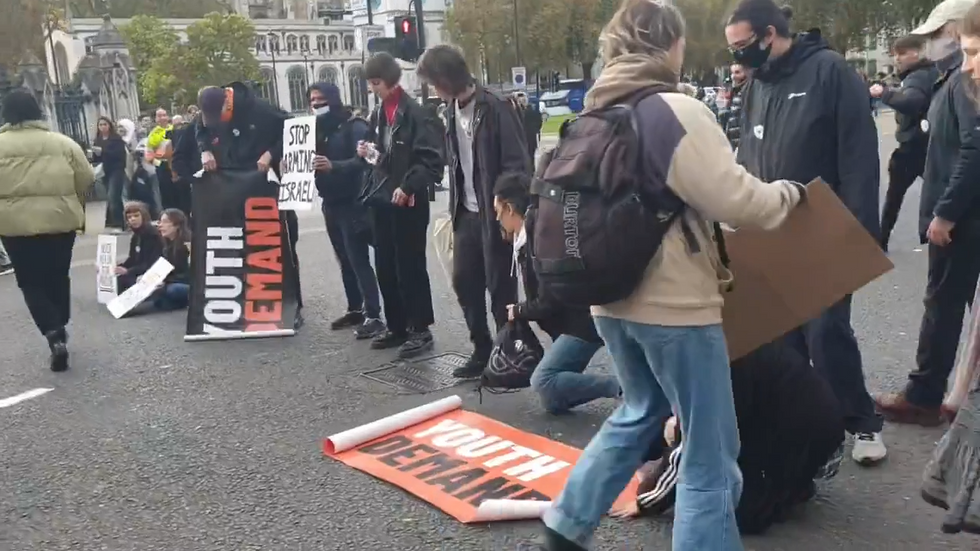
{"x": 407, "y": 38}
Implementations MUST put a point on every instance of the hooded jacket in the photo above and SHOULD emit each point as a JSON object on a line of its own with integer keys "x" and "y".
{"x": 806, "y": 115}
{"x": 950, "y": 187}
{"x": 911, "y": 102}
{"x": 337, "y": 135}
{"x": 254, "y": 129}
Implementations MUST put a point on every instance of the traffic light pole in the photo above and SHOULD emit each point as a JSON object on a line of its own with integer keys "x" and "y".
{"x": 420, "y": 31}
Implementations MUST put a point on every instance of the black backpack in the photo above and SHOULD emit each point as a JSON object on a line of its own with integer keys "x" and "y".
{"x": 599, "y": 216}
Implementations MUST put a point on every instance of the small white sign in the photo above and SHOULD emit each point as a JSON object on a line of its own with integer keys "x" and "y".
{"x": 297, "y": 189}
{"x": 107, "y": 287}
{"x": 144, "y": 287}
{"x": 518, "y": 75}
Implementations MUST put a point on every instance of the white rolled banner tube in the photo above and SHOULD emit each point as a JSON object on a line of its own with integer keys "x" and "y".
{"x": 356, "y": 436}
{"x": 493, "y": 510}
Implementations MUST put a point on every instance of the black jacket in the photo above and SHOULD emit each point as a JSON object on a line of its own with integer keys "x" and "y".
{"x": 951, "y": 181}
{"x": 552, "y": 316}
{"x": 114, "y": 155}
{"x": 805, "y": 115}
{"x": 255, "y": 128}
{"x": 532, "y": 125}
{"x": 911, "y": 102}
{"x": 337, "y": 136}
{"x": 145, "y": 248}
{"x": 498, "y": 147}
{"x": 733, "y": 118}
{"x": 413, "y": 160}
{"x": 179, "y": 256}
{"x": 186, "y": 160}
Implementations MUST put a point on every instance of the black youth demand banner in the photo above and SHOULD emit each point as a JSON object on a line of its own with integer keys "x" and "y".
{"x": 244, "y": 280}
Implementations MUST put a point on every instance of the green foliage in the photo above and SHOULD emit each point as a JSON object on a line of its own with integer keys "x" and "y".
{"x": 217, "y": 51}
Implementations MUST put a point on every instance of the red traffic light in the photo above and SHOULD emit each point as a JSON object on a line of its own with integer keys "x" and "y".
{"x": 406, "y": 26}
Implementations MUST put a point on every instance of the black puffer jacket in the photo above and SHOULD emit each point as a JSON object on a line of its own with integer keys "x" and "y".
{"x": 733, "y": 120}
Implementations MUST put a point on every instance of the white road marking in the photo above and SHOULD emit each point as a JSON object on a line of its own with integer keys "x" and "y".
{"x": 14, "y": 400}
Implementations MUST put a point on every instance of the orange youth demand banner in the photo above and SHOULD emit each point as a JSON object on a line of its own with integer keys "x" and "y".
{"x": 458, "y": 460}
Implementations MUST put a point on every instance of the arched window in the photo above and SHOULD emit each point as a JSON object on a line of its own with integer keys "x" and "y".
{"x": 357, "y": 86}
{"x": 274, "y": 43}
{"x": 304, "y": 43}
{"x": 328, "y": 74}
{"x": 291, "y": 43}
{"x": 333, "y": 43}
{"x": 267, "y": 86}
{"x": 261, "y": 43}
{"x": 296, "y": 76}
{"x": 321, "y": 44}
{"x": 348, "y": 42}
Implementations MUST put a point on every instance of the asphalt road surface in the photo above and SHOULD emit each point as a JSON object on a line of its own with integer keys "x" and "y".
{"x": 150, "y": 443}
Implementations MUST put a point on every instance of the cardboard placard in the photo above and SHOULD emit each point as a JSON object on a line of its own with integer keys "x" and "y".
{"x": 788, "y": 276}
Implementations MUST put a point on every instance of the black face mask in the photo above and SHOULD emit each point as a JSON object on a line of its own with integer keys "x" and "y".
{"x": 753, "y": 55}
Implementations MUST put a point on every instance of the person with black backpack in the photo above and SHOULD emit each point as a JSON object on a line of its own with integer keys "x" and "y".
{"x": 340, "y": 175}
{"x": 625, "y": 219}
{"x": 558, "y": 379}
{"x": 485, "y": 138}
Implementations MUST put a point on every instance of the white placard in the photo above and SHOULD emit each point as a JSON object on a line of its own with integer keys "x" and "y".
{"x": 297, "y": 189}
{"x": 145, "y": 285}
{"x": 106, "y": 285}
{"x": 356, "y": 436}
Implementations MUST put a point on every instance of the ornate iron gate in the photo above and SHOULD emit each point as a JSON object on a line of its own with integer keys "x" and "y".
{"x": 69, "y": 109}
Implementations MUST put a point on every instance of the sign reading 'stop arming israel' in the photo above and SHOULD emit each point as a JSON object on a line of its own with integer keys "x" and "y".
{"x": 297, "y": 189}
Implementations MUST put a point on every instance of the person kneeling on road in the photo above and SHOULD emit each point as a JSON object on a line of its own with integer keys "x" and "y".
{"x": 559, "y": 379}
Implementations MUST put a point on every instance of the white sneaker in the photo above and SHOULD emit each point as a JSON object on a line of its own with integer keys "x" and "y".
{"x": 869, "y": 449}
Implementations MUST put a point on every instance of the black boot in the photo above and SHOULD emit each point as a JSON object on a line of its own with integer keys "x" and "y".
{"x": 552, "y": 541}
{"x": 58, "y": 344}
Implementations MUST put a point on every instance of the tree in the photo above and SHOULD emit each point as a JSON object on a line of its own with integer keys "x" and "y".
{"x": 218, "y": 50}
{"x": 706, "y": 47}
{"x": 166, "y": 9}
{"x": 18, "y": 29}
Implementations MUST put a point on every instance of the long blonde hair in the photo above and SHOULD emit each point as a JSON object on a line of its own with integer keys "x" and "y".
{"x": 649, "y": 27}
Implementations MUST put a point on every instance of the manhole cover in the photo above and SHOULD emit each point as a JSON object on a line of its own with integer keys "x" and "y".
{"x": 421, "y": 376}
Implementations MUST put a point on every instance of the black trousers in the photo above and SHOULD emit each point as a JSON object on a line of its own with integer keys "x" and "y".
{"x": 907, "y": 163}
{"x": 291, "y": 223}
{"x": 952, "y": 281}
{"x": 481, "y": 263}
{"x": 182, "y": 196}
{"x": 169, "y": 198}
{"x": 400, "y": 241}
{"x": 41, "y": 266}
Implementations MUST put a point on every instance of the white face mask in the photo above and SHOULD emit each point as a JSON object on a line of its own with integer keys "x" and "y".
{"x": 940, "y": 48}
{"x": 321, "y": 110}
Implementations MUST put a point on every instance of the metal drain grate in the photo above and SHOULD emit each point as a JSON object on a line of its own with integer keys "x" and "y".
{"x": 421, "y": 376}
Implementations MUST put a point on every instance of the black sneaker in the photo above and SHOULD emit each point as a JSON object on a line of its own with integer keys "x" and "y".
{"x": 550, "y": 541}
{"x": 6, "y": 269}
{"x": 57, "y": 342}
{"x": 388, "y": 339}
{"x": 299, "y": 320}
{"x": 474, "y": 366}
{"x": 418, "y": 342}
{"x": 348, "y": 320}
{"x": 371, "y": 328}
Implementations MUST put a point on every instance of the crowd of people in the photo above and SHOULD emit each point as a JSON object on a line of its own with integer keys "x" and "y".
{"x": 730, "y": 447}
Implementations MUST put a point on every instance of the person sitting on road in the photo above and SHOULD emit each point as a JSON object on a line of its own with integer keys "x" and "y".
{"x": 145, "y": 247}
{"x": 176, "y": 234}
{"x": 559, "y": 379}
{"x": 791, "y": 428}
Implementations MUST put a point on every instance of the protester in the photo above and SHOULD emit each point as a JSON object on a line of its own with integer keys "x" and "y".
{"x": 145, "y": 246}
{"x": 485, "y": 139}
{"x": 186, "y": 162}
{"x": 789, "y": 425}
{"x": 44, "y": 177}
{"x": 110, "y": 150}
{"x": 733, "y": 119}
{"x": 340, "y": 173}
{"x": 911, "y": 104}
{"x": 6, "y": 266}
{"x": 806, "y": 116}
{"x": 239, "y": 131}
{"x": 949, "y": 220}
{"x": 666, "y": 339}
{"x": 176, "y": 235}
{"x": 144, "y": 185}
{"x": 156, "y": 148}
{"x": 405, "y": 156}
{"x": 558, "y": 379}
{"x": 532, "y": 120}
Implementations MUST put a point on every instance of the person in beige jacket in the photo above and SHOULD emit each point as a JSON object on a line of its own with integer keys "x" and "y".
{"x": 666, "y": 339}
{"x": 43, "y": 179}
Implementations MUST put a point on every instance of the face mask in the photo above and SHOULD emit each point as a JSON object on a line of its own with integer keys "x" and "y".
{"x": 321, "y": 110}
{"x": 940, "y": 48}
{"x": 754, "y": 55}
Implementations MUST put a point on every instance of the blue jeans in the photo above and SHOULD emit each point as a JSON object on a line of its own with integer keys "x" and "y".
{"x": 658, "y": 368}
{"x": 173, "y": 296}
{"x": 559, "y": 379}
{"x": 350, "y": 234}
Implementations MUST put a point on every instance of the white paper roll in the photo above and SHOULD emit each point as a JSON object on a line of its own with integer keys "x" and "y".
{"x": 493, "y": 510}
{"x": 365, "y": 433}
